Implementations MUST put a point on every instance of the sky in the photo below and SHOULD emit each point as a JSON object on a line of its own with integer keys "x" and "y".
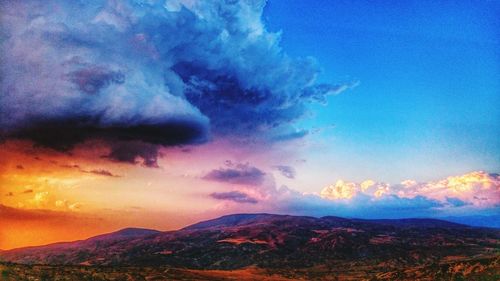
{"x": 159, "y": 114}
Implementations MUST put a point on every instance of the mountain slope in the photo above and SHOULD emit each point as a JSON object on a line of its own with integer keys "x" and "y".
{"x": 72, "y": 251}
{"x": 275, "y": 241}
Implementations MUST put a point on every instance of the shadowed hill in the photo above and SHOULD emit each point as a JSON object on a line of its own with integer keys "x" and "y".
{"x": 274, "y": 241}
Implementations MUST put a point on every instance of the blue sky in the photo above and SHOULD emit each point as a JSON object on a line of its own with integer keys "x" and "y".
{"x": 428, "y": 101}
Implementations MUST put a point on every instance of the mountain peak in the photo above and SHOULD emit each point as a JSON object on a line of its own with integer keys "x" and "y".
{"x": 231, "y": 220}
{"x": 133, "y": 231}
{"x": 129, "y": 232}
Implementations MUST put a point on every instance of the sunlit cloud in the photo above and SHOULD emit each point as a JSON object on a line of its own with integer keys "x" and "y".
{"x": 341, "y": 190}
{"x": 475, "y": 188}
{"x": 66, "y": 205}
{"x": 40, "y": 199}
{"x": 479, "y": 188}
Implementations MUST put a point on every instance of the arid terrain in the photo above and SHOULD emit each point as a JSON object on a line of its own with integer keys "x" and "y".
{"x": 463, "y": 269}
{"x": 270, "y": 247}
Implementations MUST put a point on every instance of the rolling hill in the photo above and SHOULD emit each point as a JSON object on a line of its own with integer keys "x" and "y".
{"x": 281, "y": 242}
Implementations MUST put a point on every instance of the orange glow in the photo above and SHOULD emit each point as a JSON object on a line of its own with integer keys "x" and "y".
{"x": 46, "y": 196}
{"x": 21, "y": 233}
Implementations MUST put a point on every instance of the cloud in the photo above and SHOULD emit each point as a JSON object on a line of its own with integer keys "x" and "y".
{"x": 154, "y": 72}
{"x": 243, "y": 174}
{"x": 286, "y": 171}
{"x": 71, "y": 166}
{"x": 91, "y": 80}
{"x": 341, "y": 190}
{"x": 40, "y": 199}
{"x": 455, "y": 202}
{"x": 10, "y": 213}
{"x": 358, "y": 206}
{"x": 102, "y": 172}
{"x": 61, "y": 203}
{"x": 480, "y": 189}
{"x": 64, "y": 204}
{"x": 320, "y": 92}
{"x": 235, "y": 196}
{"x": 290, "y": 135}
{"x": 465, "y": 195}
{"x": 134, "y": 153}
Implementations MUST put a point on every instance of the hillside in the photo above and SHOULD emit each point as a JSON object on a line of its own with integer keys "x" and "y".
{"x": 273, "y": 241}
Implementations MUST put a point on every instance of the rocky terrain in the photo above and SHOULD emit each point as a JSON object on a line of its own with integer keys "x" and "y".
{"x": 276, "y": 247}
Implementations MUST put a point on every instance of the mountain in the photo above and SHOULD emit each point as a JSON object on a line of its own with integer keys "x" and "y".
{"x": 231, "y": 220}
{"x": 126, "y": 233}
{"x": 278, "y": 242}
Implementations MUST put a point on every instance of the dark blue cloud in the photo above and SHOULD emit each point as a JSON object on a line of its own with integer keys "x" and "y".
{"x": 158, "y": 72}
{"x": 237, "y": 174}
{"x": 235, "y": 196}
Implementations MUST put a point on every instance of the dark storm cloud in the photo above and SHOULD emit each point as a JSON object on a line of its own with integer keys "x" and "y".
{"x": 62, "y": 135}
{"x": 237, "y": 174}
{"x": 157, "y": 72}
{"x": 235, "y": 196}
{"x": 135, "y": 153}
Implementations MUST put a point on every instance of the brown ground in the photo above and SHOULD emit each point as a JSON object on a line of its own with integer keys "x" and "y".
{"x": 452, "y": 268}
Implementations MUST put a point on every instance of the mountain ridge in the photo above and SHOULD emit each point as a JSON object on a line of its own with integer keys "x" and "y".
{"x": 270, "y": 241}
{"x": 240, "y": 217}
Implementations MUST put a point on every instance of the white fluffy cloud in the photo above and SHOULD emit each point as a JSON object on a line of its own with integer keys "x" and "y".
{"x": 479, "y": 189}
